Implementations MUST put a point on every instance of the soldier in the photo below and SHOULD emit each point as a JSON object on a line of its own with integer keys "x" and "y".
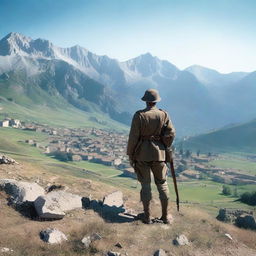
{"x": 146, "y": 150}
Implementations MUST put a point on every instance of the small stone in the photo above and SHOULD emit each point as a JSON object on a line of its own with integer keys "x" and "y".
{"x": 52, "y": 236}
{"x": 228, "y": 236}
{"x": 181, "y": 240}
{"x": 86, "y": 241}
{"x": 95, "y": 237}
{"x": 110, "y": 253}
{"x": 5, "y": 249}
{"x": 160, "y": 252}
{"x": 118, "y": 245}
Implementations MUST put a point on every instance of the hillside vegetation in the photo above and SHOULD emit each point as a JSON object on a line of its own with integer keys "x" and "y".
{"x": 236, "y": 138}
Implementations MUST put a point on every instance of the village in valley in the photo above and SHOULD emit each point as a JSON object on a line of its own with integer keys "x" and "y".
{"x": 109, "y": 148}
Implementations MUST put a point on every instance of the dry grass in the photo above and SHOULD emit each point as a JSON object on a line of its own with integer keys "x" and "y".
{"x": 205, "y": 233}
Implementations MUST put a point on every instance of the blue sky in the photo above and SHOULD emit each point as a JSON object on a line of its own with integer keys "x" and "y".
{"x": 218, "y": 34}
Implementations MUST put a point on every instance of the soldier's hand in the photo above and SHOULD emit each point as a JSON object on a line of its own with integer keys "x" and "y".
{"x": 132, "y": 162}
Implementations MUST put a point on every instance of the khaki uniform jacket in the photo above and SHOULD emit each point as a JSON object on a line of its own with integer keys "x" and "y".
{"x": 147, "y": 122}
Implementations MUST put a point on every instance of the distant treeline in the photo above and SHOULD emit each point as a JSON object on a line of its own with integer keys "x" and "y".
{"x": 248, "y": 198}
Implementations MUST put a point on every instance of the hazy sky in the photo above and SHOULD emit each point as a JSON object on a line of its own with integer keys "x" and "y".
{"x": 219, "y": 34}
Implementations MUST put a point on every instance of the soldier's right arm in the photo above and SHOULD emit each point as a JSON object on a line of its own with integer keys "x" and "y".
{"x": 169, "y": 132}
{"x": 134, "y": 135}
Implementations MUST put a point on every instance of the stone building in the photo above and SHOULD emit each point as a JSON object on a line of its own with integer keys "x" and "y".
{"x": 4, "y": 123}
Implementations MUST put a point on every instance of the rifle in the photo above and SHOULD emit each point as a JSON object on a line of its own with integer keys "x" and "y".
{"x": 169, "y": 159}
{"x": 174, "y": 180}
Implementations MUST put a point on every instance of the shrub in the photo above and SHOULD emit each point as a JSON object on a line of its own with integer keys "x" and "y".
{"x": 226, "y": 190}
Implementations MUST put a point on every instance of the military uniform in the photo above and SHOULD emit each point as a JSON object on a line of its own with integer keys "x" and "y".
{"x": 146, "y": 149}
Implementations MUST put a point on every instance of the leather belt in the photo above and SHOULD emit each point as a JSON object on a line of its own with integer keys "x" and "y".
{"x": 151, "y": 137}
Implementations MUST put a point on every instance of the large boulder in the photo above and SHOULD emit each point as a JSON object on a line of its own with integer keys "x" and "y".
{"x": 246, "y": 221}
{"x": 114, "y": 199}
{"x": 21, "y": 191}
{"x": 113, "y": 203}
{"x": 54, "y": 204}
{"x": 52, "y": 236}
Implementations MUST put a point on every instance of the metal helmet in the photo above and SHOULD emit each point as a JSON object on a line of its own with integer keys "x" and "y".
{"x": 151, "y": 95}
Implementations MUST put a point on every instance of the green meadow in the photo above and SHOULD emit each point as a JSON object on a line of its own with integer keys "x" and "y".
{"x": 62, "y": 115}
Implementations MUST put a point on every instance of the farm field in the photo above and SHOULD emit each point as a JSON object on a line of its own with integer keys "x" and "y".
{"x": 241, "y": 163}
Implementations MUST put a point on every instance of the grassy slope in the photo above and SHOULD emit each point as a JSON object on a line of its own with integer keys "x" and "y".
{"x": 58, "y": 117}
{"x": 25, "y": 100}
{"x": 239, "y": 138}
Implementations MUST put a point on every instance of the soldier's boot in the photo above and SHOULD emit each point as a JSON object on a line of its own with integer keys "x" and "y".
{"x": 146, "y": 208}
{"x": 164, "y": 217}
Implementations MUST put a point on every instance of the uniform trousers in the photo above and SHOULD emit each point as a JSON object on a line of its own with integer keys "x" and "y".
{"x": 159, "y": 169}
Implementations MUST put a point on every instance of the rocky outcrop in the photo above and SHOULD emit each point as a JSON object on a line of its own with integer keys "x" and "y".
{"x": 55, "y": 204}
{"x": 6, "y": 160}
{"x": 230, "y": 215}
{"x": 241, "y": 218}
{"x": 246, "y": 221}
{"x": 52, "y": 236}
{"x": 21, "y": 191}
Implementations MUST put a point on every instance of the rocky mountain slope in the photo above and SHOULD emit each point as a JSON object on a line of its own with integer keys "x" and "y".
{"x": 35, "y": 71}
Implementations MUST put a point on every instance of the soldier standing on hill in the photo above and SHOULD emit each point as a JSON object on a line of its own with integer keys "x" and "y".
{"x": 146, "y": 151}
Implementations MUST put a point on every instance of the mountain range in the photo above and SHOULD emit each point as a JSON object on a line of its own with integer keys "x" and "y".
{"x": 197, "y": 98}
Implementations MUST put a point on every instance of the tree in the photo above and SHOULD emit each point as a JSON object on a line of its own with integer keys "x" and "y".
{"x": 235, "y": 193}
{"x": 188, "y": 153}
{"x": 226, "y": 190}
{"x": 248, "y": 198}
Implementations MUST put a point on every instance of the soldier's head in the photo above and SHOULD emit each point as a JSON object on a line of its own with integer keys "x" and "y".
{"x": 151, "y": 97}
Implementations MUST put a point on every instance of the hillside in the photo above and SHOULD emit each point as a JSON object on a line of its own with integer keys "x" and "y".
{"x": 235, "y": 138}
